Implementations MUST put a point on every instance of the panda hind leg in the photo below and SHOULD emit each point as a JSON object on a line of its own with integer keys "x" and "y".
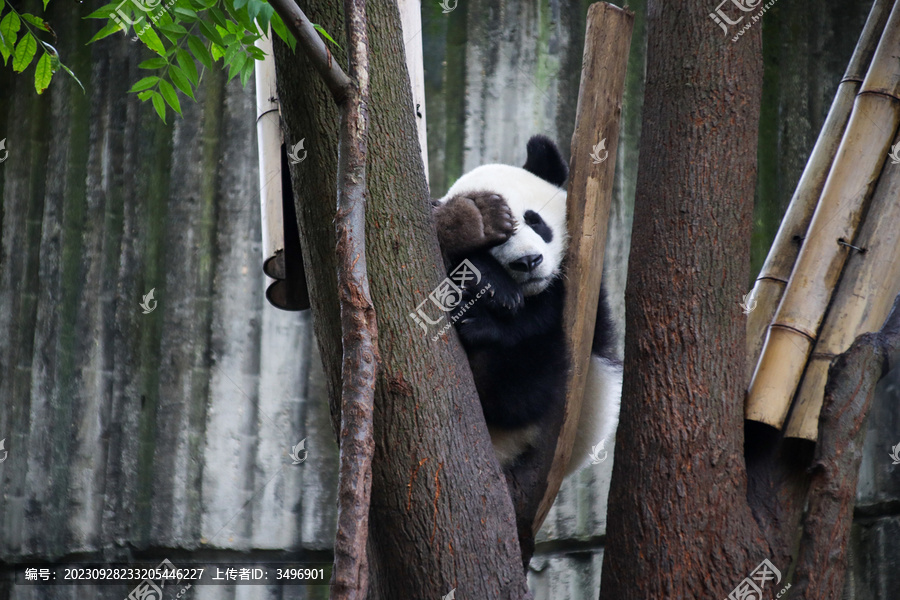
{"x": 599, "y": 412}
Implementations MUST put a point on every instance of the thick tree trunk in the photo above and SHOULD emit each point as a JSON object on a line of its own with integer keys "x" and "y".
{"x": 438, "y": 498}
{"x": 677, "y": 506}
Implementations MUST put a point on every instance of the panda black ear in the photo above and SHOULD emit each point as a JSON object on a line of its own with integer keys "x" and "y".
{"x": 545, "y": 161}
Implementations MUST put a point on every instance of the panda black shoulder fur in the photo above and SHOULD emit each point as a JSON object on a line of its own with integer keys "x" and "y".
{"x": 510, "y": 224}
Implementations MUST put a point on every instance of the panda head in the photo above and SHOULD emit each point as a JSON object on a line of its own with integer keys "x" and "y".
{"x": 534, "y": 253}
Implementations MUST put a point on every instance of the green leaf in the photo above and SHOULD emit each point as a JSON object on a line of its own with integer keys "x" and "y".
{"x": 172, "y": 31}
{"x": 216, "y": 51}
{"x": 25, "y": 50}
{"x": 198, "y": 49}
{"x": 281, "y": 31}
{"x": 159, "y": 105}
{"x": 143, "y": 96}
{"x": 237, "y": 63}
{"x": 9, "y": 28}
{"x": 144, "y": 84}
{"x": 240, "y": 16}
{"x": 181, "y": 81}
{"x": 187, "y": 15}
{"x": 108, "y": 29}
{"x": 171, "y": 97}
{"x": 218, "y": 17}
{"x": 42, "y": 73}
{"x": 46, "y": 2}
{"x": 188, "y": 66}
{"x": 231, "y": 51}
{"x": 324, "y": 33}
{"x": 256, "y": 53}
{"x": 154, "y": 63}
{"x": 151, "y": 40}
{"x": 104, "y": 11}
{"x": 246, "y": 72}
{"x": 239, "y": 4}
{"x": 36, "y": 21}
{"x": 253, "y": 8}
{"x": 265, "y": 16}
{"x": 210, "y": 32}
{"x": 162, "y": 18}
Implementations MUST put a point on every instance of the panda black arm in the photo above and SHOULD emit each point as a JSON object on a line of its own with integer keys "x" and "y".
{"x": 604, "y": 341}
{"x": 502, "y": 318}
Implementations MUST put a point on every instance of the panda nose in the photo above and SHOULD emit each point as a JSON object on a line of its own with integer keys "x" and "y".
{"x": 526, "y": 263}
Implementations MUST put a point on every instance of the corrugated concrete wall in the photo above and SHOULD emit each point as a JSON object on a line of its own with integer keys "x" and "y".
{"x": 168, "y": 433}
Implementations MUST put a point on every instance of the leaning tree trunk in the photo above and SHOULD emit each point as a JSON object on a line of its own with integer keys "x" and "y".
{"x": 679, "y": 525}
{"x": 441, "y": 517}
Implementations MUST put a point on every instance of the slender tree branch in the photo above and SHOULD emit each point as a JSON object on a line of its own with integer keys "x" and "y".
{"x": 358, "y": 327}
{"x": 821, "y": 565}
{"x": 359, "y": 330}
{"x": 314, "y": 47}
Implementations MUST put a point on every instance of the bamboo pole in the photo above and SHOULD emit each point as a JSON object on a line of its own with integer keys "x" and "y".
{"x": 869, "y": 284}
{"x": 772, "y": 279}
{"x": 859, "y": 159}
{"x": 269, "y": 140}
{"x": 607, "y": 43}
{"x": 282, "y": 260}
{"x": 411, "y": 22}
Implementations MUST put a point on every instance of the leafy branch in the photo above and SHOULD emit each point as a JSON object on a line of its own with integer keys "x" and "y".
{"x": 23, "y": 49}
{"x": 186, "y": 36}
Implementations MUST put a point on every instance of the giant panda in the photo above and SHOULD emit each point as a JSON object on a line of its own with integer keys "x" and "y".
{"x": 510, "y": 224}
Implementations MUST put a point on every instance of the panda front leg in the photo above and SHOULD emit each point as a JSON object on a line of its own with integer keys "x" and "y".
{"x": 472, "y": 222}
{"x": 489, "y": 310}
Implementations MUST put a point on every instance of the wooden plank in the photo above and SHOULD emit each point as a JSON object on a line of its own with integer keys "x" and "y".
{"x": 607, "y": 43}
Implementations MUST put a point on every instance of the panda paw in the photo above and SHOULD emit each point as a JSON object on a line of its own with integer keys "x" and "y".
{"x": 497, "y": 220}
{"x": 505, "y": 297}
{"x": 468, "y": 223}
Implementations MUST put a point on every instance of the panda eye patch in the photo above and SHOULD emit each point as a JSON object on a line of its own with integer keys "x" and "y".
{"x": 534, "y": 220}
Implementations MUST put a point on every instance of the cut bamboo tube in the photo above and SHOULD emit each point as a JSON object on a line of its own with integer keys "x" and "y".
{"x": 597, "y": 115}
{"x": 411, "y": 22}
{"x": 869, "y": 284}
{"x": 268, "y": 141}
{"x": 856, "y": 166}
{"x": 770, "y": 284}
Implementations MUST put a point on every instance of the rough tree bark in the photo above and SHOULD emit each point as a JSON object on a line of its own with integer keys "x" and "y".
{"x": 438, "y": 497}
{"x": 359, "y": 330}
{"x": 715, "y": 497}
{"x": 821, "y": 563}
{"x": 679, "y": 525}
